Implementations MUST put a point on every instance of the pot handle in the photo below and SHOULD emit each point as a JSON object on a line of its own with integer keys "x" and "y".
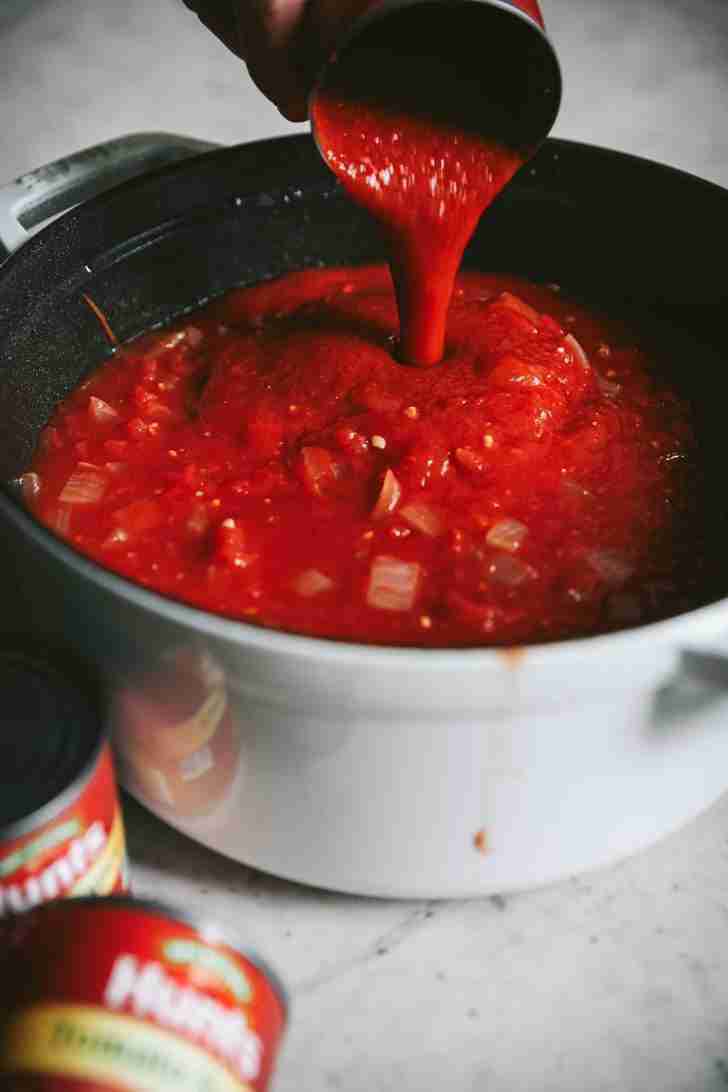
{"x": 697, "y": 684}
{"x": 707, "y": 661}
{"x": 35, "y": 197}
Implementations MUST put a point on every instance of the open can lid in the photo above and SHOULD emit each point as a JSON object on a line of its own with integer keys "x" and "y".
{"x": 50, "y": 737}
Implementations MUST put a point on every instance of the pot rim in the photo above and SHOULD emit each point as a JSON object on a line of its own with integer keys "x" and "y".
{"x": 704, "y": 622}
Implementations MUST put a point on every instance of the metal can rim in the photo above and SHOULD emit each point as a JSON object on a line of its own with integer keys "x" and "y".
{"x": 387, "y": 7}
{"x": 66, "y": 797}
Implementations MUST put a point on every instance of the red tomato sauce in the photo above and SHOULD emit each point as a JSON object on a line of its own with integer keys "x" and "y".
{"x": 270, "y": 460}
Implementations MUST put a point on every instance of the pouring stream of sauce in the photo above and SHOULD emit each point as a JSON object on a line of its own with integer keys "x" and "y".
{"x": 426, "y": 145}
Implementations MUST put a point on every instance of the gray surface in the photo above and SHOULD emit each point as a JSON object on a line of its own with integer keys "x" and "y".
{"x": 647, "y": 76}
{"x": 612, "y": 983}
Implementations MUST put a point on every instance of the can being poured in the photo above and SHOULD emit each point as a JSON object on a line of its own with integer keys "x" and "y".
{"x": 486, "y": 65}
{"x": 61, "y": 830}
{"x": 128, "y": 996}
{"x": 425, "y": 111}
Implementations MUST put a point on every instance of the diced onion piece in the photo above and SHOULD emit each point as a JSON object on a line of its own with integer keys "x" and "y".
{"x": 389, "y": 496}
{"x": 513, "y": 303}
{"x": 423, "y": 517}
{"x": 101, "y": 412}
{"x": 59, "y": 519}
{"x": 319, "y": 470}
{"x": 86, "y": 485}
{"x": 194, "y": 336}
{"x": 312, "y": 582}
{"x": 610, "y": 566}
{"x": 231, "y": 545}
{"x": 138, "y": 517}
{"x": 30, "y": 485}
{"x": 577, "y": 351}
{"x": 507, "y": 534}
{"x": 509, "y": 570}
{"x": 392, "y": 584}
{"x": 377, "y": 400}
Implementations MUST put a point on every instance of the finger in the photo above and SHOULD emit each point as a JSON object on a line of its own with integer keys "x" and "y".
{"x": 303, "y": 41}
{"x": 276, "y": 20}
{"x": 271, "y": 34}
{"x": 219, "y": 16}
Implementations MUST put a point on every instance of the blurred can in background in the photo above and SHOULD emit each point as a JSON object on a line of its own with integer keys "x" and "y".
{"x": 120, "y": 995}
{"x": 61, "y": 829}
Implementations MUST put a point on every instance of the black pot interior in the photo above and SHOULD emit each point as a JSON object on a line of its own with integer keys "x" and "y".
{"x": 631, "y": 236}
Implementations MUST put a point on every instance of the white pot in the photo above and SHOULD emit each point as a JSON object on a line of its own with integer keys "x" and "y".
{"x": 439, "y": 774}
{"x": 388, "y": 772}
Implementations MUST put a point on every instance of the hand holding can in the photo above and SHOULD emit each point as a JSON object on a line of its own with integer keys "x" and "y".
{"x": 287, "y": 43}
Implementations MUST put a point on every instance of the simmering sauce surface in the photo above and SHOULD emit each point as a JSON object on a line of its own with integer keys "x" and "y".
{"x": 270, "y": 460}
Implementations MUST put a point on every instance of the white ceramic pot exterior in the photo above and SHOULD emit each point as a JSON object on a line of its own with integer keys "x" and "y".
{"x": 412, "y": 773}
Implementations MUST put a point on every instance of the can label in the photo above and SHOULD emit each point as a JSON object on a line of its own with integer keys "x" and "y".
{"x": 81, "y": 851}
{"x": 130, "y": 999}
{"x": 531, "y": 7}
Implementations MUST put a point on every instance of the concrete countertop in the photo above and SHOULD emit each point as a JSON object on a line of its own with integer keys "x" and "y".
{"x": 616, "y": 982}
{"x": 644, "y": 76}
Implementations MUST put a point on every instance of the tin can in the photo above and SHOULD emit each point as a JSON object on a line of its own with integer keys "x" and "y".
{"x": 61, "y": 830}
{"x": 129, "y": 996}
{"x": 488, "y": 62}
{"x": 530, "y": 7}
